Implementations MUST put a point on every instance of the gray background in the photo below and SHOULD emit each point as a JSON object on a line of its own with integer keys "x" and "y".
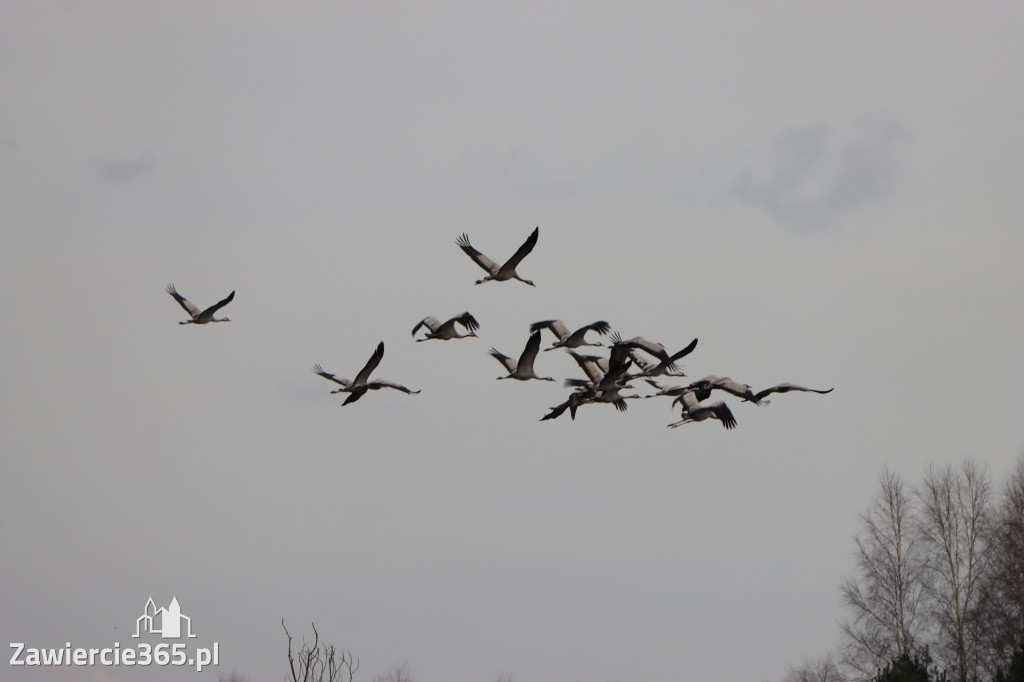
{"x": 825, "y": 195}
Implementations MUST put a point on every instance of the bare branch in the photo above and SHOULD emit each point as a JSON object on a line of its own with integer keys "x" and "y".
{"x": 320, "y": 662}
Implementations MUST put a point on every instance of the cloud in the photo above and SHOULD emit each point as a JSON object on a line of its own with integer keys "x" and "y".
{"x": 813, "y": 176}
{"x": 519, "y": 172}
{"x": 121, "y": 171}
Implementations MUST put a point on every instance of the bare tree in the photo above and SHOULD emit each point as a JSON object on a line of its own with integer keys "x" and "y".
{"x": 885, "y": 599}
{"x": 319, "y": 662}
{"x": 954, "y": 514}
{"x": 1002, "y": 591}
{"x": 399, "y": 674}
{"x": 822, "y": 670}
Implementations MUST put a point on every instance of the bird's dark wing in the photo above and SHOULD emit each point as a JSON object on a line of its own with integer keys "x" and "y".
{"x": 588, "y": 363}
{"x": 668, "y": 366}
{"x": 530, "y": 352}
{"x": 785, "y": 387}
{"x": 579, "y": 398}
{"x": 524, "y": 250}
{"x": 724, "y": 415}
{"x": 577, "y": 337}
{"x": 557, "y": 411}
{"x": 184, "y": 302}
{"x": 557, "y": 328}
{"x": 467, "y": 321}
{"x": 217, "y": 306}
{"x": 355, "y": 395}
{"x": 371, "y": 365}
{"x": 684, "y": 352}
{"x": 430, "y": 322}
{"x": 508, "y": 363}
{"x": 614, "y": 376}
{"x": 619, "y": 356}
{"x": 480, "y": 259}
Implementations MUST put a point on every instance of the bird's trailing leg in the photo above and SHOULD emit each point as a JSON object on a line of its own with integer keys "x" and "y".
{"x": 677, "y": 424}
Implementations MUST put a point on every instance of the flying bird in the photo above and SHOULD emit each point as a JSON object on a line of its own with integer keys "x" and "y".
{"x": 786, "y": 387}
{"x": 500, "y": 273}
{"x": 357, "y": 387}
{"x": 583, "y": 396}
{"x": 576, "y": 398}
{"x": 606, "y": 378}
{"x": 663, "y": 366}
{"x": 655, "y": 350}
{"x": 569, "y": 339}
{"x": 603, "y": 374}
{"x": 523, "y": 369}
{"x": 445, "y": 331}
{"x": 199, "y": 316}
{"x": 702, "y": 390}
{"x": 695, "y": 411}
{"x": 593, "y": 366}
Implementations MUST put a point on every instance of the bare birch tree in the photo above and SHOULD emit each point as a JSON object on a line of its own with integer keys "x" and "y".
{"x": 1002, "y": 592}
{"x": 953, "y": 517}
{"x": 885, "y": 598}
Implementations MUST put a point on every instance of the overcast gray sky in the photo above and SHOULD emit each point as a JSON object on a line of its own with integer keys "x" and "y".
{"x": 829, "y": 195}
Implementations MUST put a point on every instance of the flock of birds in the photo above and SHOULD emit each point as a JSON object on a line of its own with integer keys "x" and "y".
{"x": 628, "y": 360}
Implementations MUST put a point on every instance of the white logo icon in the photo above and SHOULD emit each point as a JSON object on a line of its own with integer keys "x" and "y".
{"x": 164, "y": 622}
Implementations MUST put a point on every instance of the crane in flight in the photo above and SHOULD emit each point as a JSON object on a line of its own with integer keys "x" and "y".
{"x": 696, "y": 411}
{"x": 495, "y": 272}
{"x": 666, "y": 363}
{"x": 357, "y": 388}
{"x": 446, "y": 330}
{"x": 199, "y": 316}
{"x": 570, "y": 339}
{"x": 523, "y": 369}
{"x": 786, "y": 387}
{"x": 606, "y": 379}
